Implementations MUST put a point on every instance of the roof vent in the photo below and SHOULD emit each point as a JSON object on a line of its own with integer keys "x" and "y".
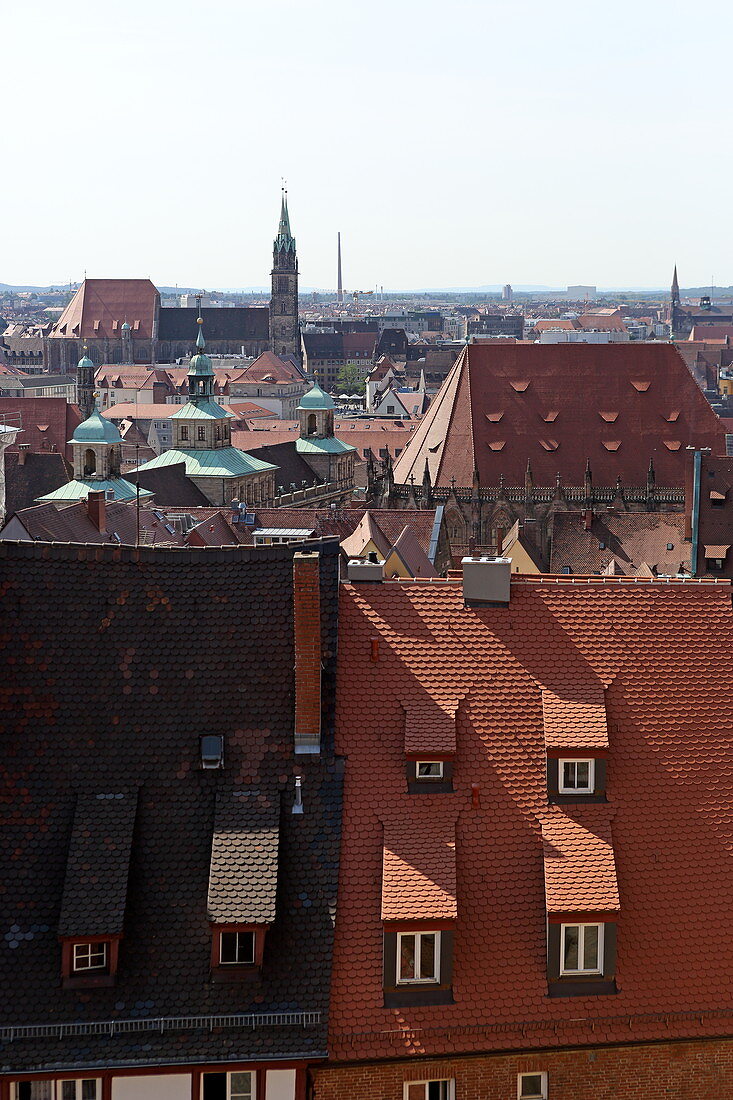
{"x": 360, "y": 570}
{"x": 212, "y": 751}
{"x": 486, "y": 580}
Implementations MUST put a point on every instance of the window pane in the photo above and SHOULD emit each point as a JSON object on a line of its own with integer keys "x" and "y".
{"x": 215, "y": 1086}
{"x": 531, "y": 1085}
{"x": 407, "y": 957}
{"x": 245, "y": 947}
{"x": 228, "y": 947}
{"x": 430, "y": 768}
{"x": 427, "y": 956}
{"x": 570, "y": 957}
{"x": 590, "y": 947}
{"x": 89, "y": 1090}
{"x": 438, "y": 1090}
{"x": 582, "y": 774}
{"x": 416, "y": 1091}
{"x": 40, "y": 1090}
{"x": 568, "y": 774}
{"x": 240, "y": 1086}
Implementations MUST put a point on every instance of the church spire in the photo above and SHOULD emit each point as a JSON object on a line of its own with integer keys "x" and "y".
{"x": 675, "y": 288}
{"x": 285, "y": 241}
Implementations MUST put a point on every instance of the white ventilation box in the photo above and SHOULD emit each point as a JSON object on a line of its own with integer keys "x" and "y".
{"x": 360, "y": 570}
{"x": 487, "y": 580}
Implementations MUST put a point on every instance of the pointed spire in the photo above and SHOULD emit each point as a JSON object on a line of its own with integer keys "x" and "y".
{"x": 285, "y": 241}
{"x": 200, "y": 342}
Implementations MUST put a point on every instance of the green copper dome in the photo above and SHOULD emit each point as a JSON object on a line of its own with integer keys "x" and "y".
{"x": 200, "y": 363}
{"x": 125, "y": 326}
{"x": 96, "y": 429}
{"x": 316, "y": 398}
{"x": 85, "y": 363}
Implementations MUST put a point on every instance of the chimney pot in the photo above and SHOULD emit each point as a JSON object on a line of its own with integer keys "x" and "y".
{"x": 307, "y": 626}
{"x": 97, "y": 509}
{"x": 23, "y": 449}
{"x": 360, "y": 570}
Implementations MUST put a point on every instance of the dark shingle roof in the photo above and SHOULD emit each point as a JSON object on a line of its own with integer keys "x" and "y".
{"x": 95, "y": 887}
{"x": 243, "y": 872}
{"x": 38, "y": 475}
{"x": 113, "y": 662}
{"x": 238, "y": 323}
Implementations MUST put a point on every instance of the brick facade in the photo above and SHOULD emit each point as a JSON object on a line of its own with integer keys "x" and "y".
{"x": 697, "y": 1070}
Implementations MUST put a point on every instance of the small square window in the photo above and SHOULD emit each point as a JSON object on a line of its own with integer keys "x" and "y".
{"x": 237, "y": 948}
{"x": 581, "y": 949}
{"x": 670, "y": 546}
{"x": 532, "y": 1086}
{"x": 418, "y": 957}
{"x": 238, "y": 1085}
{"x": 577, "y": 776}
{"x": 89, "y": 956}
{"x": 429, "y": 769}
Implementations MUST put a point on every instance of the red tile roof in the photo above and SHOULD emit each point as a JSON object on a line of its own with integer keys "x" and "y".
{"x": 48, "y": 423}
{"x": 419, "y": 862}
{"x": 430, "y": 727}
{"x": 101, "y": 306}
{"x": 662, "y": 652}
{"x": 629, "y": 540}
{"x": 580, "y": 872}
{"x": 271, "y": 368}
{"x": 643, "y": 383}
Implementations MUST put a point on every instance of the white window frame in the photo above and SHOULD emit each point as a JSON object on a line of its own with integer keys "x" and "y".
{"x": 530, "y": 1095}
{"x": 252, "y": 1082}
{"x": 90, "y": 949}
{"x": 57, "y": 1084}
{"x": 238, "y": 961}
{"x": 576, "y": 760}
{"x": 432, "y": 763}
{"x": 449, "y": 1081}
{"x": 418, "y": 953}
{"x": 581, "y": 949}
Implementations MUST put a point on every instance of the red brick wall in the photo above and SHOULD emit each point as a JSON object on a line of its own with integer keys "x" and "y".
{"x": 662, "y": 1071}
{"x": 307, "y": 615}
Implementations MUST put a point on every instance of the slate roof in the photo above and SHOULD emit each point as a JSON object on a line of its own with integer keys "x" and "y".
{"x": 630, "y": 540}
{"x": 243, "y": 872}
{"x": 39, "y": 474}
{"x": 619, "y": 405}
{"x": 237, "y": 323}
{"x": 102, "y": 690}
{"x": 98, "y": 865}
{"x": 661, "y": 652}
{"x": 172, "y": 486}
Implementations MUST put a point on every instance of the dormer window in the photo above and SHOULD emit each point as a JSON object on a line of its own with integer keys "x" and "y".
{"x": 418, "y": 957}
{"x": 429, "y": 769}
{"x": 581, "y": 949}
{"x": 88, "y": 957}
{"x": 576, "y": 776}
{"x": 237, "y": 949}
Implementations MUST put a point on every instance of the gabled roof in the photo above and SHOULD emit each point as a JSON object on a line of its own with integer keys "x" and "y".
{"x": 367, "y": 530}
{"x": 218, "y": 462}
{"x": 101, "y": 306}
{"x": 270, "y": 368}
{"x": 46, "y": 523}
{"x": 47, "y": 422}
{"x": 491, "y": 414}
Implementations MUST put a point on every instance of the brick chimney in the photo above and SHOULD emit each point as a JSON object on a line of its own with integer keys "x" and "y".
{"x": 23, "y": 449}
{"x": 97, "y": 509}
{"x": 307, "y": 626}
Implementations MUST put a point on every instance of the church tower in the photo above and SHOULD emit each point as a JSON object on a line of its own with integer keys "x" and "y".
{"x": 674, "y": 304}
{"x": 284, "y": 328}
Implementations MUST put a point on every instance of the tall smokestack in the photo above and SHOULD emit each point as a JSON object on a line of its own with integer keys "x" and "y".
{"x": 340, "y": 292}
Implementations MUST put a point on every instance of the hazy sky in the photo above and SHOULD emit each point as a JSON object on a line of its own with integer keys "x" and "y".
{"x": 453, "y": 144}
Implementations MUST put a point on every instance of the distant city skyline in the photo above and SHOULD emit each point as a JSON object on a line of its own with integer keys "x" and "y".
{"x": 480, "y": 144}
